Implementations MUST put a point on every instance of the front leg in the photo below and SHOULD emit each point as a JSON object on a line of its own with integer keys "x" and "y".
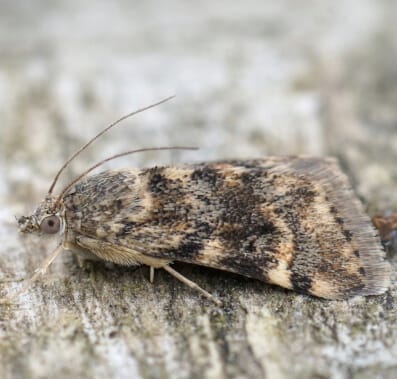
{"x": 102, "y": 250}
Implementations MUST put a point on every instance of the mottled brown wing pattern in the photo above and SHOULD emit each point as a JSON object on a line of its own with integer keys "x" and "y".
{"x": 294, "y": 222}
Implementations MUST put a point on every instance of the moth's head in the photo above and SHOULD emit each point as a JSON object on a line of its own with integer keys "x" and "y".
{"x": 46, "y": 219}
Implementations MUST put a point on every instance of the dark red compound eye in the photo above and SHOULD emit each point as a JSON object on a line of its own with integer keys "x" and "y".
{"x": 50, "y": 225}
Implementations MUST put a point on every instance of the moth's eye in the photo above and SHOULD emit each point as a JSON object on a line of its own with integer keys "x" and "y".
{"x": 50, "y": 225}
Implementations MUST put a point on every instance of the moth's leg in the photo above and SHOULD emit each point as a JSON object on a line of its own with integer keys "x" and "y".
{"x": 37, "y": 273}
{"x": 106, "y": 251}
{"x": 118, "y": 254}
{"x": 151, "y": 275}
{"x": 192, "y": 284}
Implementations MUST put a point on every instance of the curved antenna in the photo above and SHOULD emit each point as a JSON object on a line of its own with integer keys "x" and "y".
{"x": 99, "y": 135}
{"x": 76, "y": 180}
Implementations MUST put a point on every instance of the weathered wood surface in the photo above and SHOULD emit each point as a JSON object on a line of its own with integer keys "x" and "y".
{"x": 251, "y": 79}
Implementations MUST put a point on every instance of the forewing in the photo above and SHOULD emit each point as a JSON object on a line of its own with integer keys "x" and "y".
{"x": 290, "y": 221}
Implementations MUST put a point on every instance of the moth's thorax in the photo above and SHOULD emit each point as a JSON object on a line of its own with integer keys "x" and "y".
{"x": 47, "y": 209}
{"x": 108, "y": 197}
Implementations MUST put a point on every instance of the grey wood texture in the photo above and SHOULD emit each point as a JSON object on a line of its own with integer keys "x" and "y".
{"x": 252, "y": 78}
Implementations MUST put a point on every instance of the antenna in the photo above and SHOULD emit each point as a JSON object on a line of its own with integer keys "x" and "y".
{"x": 99, "y": 135}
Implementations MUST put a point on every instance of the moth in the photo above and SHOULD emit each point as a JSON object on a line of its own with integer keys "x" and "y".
{"x": 290, "y": 221}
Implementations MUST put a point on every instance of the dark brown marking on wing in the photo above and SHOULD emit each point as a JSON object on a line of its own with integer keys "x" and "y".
{"x": 348, "y": 234}
{"x": 190, "y": 247}
{"x": 300, "y": 282}
{"x": 207, "y": 175}
{"x": 126, "y": 229}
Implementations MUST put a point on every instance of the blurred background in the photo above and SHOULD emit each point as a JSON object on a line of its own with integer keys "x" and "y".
{"x": 252, "y": 78}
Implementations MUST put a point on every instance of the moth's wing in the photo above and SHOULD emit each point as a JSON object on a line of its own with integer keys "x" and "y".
{"x": 295, "y": 222}
{"x": 290, "y": 221}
